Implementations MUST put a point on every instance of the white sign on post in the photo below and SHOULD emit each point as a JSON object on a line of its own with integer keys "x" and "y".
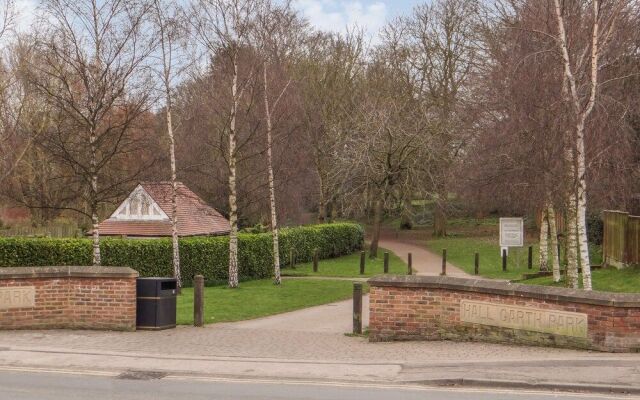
{"x": 511, "y": 233}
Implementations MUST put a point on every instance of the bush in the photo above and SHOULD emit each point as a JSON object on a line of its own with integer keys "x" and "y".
{"x": 595, "y": 229}
{"x": 208, "y": 256}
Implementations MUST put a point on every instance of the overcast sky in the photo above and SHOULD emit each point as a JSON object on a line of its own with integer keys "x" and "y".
{"x": 334, "y": 15}
{"x": 337, "y": 15}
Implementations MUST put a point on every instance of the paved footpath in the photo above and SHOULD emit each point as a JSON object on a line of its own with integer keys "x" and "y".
{"x": 424, "y": 262}
{"x": 311, "y": 345}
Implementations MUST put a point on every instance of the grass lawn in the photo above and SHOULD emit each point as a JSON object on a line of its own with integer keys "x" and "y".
{"x": 260, "y": 298}
{"x": 349, "y": 266}
{"x": 606, "y": 280}
{"x": 461, "y": 250}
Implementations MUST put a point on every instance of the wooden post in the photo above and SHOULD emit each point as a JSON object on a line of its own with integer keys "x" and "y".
{"x": 362, "y": 257}
{"x": 477, "y": 264}
{"x": 444, "y": 262}
{"x": 530, "y": 258}
{"x": 315, "y": 260}
{"x": 198, "y": 301}
{"x": 292, "y": 260}
{"x": 357, "y": 308}
{"x": 409, "y": 261}
{"x": 504, "y": 260}
{"x": 386, "y": 262}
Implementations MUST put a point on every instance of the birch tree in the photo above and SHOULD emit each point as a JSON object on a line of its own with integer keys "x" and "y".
{"x": 279, "y": 32}
{"x": 224, "y": 27}
{"x": 170, "y": 27}
{"x": 581, "y": 66}
{"x": 93, "y": 53}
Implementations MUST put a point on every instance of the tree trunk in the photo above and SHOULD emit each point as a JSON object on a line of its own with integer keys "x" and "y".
{"x": 375, "y": 237}
{"x": 322, "y": 210}
{"x": 94, "y": 199}
{"x": 440, "y": 215}
{"x": 583, "y": 242}
{"x": 233, "y": 206}
{"x": 572, "y": 244}
{"x": 272, "y": 192}
{"x": 553, "y": 232}
{"x": 544, "y": 243}
{"x": 174, "y": 196}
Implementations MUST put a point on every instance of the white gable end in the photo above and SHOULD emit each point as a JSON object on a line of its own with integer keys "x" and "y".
{"x": 139, "y": 206}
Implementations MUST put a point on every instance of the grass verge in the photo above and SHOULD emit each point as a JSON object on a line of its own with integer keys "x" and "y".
{"x": 625, "y": 280}
{"x": 254, "y": 299}
{"x": 349, "y": 266}
{"x": 461, "y": 252}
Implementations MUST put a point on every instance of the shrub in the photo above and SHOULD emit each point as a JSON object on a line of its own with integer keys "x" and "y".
{"x": 595, "y": 228}
{"x": 208, "y": 256}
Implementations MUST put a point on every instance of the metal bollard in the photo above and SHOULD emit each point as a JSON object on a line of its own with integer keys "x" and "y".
{"x": 357, "y": 308}
{"x": 530, "y": 258}
{"x": 198, "y": 301}
{"x": 362, "y": 256}
{"x": 504, "y": 260}
{"x": 315, "y": 260}
{"x": 409, "y": 262}
{"x": 444, "y": 262}
{"x": 386, "y": 262}
{"x": 477, "y": 264}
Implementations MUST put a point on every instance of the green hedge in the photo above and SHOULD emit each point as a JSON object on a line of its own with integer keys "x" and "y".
{"x": 208, "y": 256}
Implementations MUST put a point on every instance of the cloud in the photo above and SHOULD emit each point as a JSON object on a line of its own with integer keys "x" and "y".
{"x": 338, "y": 16}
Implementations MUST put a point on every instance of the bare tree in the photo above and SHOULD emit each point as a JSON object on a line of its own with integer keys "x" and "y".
{"x": 93, "y": 53}
{"x": 225, "y": 27}
{"x": 279, "y": 32}
{"x": 581, "y": 64}
{"x": 170, "y": 26}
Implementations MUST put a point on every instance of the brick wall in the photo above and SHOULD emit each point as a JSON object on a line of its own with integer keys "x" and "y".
{"x": 68, "y": 297}
{"x": 429, "y": 308}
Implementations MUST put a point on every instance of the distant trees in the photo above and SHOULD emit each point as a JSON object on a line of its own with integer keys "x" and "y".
{"x": 510, "y": 107}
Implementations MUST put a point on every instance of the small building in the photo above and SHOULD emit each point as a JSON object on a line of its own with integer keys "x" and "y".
{"x": 146, "y": 213}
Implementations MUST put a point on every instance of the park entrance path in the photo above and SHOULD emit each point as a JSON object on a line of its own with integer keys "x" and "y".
{"x": 424, "y": 262}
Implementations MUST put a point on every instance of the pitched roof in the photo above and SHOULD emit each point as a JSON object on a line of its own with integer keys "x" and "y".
{"x": 195, "y": 217}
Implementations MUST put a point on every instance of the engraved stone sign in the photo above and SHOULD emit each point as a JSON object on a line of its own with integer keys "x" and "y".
{"x": 524, "y": 318}
{"x": 17, "y": 297}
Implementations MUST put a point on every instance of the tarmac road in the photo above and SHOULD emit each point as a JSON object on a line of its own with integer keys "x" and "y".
{"x": 19, "y": 385}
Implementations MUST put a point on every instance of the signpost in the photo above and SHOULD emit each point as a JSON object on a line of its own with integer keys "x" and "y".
{"x": 511, "y": 233}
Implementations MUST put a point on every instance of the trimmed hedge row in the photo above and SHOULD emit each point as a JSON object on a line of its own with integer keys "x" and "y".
{"x": 208, "y": 256}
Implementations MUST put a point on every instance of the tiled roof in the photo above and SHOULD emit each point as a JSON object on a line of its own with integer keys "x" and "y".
{"x": 195, "y": 217}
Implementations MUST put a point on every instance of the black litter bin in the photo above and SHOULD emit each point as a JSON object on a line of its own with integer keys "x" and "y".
{"x": 156, "y": 303}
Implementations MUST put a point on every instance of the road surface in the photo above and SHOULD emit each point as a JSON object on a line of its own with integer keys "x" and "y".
{"x": 19, "y": 385}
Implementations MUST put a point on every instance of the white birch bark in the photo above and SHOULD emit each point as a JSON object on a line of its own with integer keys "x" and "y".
{"x": 553, "y": 233}
{"x": 233, "y": 206}
{"x": 165, "y": 47}
{"x": 174, "y": 198}
{"x": 544, "y": 243}
{"x": 272, "y": 193}
{"x": 581, "y": 115}
{"x": 94, "y": 198}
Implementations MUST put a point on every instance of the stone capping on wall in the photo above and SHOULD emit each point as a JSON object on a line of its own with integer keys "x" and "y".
{"x": 67, "y": 272}
{"x": 622, "y": 300}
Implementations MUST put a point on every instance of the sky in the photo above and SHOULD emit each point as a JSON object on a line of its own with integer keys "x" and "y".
{"x": 339, "y": 15}
{"x": 328, "y": 15}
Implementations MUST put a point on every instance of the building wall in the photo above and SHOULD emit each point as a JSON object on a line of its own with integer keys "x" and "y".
{"x": 68, "y": 297}
{"x": 432, "y": 308}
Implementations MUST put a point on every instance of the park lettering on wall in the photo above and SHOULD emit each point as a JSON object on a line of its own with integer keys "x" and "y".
{"x": 524, "y": 318}
{"x": 17, "y": 297}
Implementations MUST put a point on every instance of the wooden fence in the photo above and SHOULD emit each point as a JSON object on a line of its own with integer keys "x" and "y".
{"x": 621, "y": 239}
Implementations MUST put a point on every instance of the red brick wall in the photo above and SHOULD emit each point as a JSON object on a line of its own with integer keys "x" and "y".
{"x": 74, "y": 300}
{"x": 432, "y": 313}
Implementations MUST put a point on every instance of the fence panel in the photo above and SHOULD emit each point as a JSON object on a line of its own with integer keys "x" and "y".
{"x": 632, "y": 251}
